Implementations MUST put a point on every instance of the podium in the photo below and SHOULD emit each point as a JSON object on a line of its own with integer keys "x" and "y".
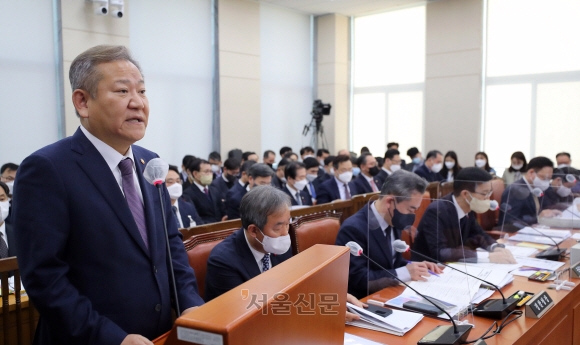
{"x": 300, "y": 301}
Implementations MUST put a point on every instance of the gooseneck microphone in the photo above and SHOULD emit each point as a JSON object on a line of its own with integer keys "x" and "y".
{"x": 155, "y": 173}
{"x": 492, "y": 308}
{"x": 442, "y": 335}
{"x": 548, "y": 254}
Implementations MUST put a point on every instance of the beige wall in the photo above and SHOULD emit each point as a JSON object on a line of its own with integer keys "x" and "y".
{"x": 454, "y": 53}
{"x": 239, "y": 56}
{"x": 333, "y": 32}
{"x": 82, "y": 29}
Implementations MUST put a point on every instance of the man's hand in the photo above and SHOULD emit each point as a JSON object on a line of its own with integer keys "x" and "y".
{"x": 502, "y": 256}
{"x": 136, "y": 339}
{"x": 353, "y": 300}
{"x": 187, "y": 310}
{"x": 418, "y": 270}
{"x": 433, "y": 267}
{"x": 550, "y": 213}
{"x": 224, "y": 218}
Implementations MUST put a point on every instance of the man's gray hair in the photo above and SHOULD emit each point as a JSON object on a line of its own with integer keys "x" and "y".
{"x": 261, "y": 202}
{"x": 83, "y": 73}
{"x": 403, "y": 184}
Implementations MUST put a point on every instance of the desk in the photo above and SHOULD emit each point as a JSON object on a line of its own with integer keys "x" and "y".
{"x": 559, "y": 326}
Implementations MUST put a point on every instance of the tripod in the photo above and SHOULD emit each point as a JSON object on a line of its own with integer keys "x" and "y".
{"x": 318, "y": 136}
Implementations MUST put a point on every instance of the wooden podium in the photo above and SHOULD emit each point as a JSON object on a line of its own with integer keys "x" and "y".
{"x": 301, "y": 301}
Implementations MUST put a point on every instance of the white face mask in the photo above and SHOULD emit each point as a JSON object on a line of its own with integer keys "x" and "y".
{"x": 175, "y": 191}
{"x": 345, "y": 177}
{"x": 395, "y": 167}
{"x": 560, "y": 166}
{"x": 480, "y": 163}
{"x": 299, "y": 185}
{"x": 278, "y": 245}
{"x": 564, "y": 191}
{"x": 450, "y": 165}
{"x": 437, "y": 167}
{"x": 215, "y": 168}
{"x": 541, "y": 184}
{"x": 517, "y": 166}
{"x": 4, "y": 209}
{"x": 311, "y": 177}
{"x": 10, "y": 186}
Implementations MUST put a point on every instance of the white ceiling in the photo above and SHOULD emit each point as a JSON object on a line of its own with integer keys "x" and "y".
{"x": 344, "y": 7}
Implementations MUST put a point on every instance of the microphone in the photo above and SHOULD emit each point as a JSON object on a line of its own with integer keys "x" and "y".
{"x": 493, "y": 205}
{"x": 442, "y": 335}
{"x": 548, "y": 254}
{"x": 155, "y": 173}
{"x": 492, "y": 308}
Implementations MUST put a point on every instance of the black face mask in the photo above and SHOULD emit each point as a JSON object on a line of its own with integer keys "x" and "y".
{"x": 230, "y": 178}
{"x": 402, "y": 221}
{"x": 374, "y": 171}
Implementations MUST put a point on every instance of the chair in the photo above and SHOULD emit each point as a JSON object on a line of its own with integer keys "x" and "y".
{"x": 445, "y": 188}
{"x": 320, "y": 228}
{"x": 489, "y": 219}
{"x": 433, "y": 189}
{"x": 212, "y": 227}
{"x": 13, "y": 307}
{"x": 198, "y": 248}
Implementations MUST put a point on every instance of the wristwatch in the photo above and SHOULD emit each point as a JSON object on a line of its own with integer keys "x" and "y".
{"x": 496, "y": 245}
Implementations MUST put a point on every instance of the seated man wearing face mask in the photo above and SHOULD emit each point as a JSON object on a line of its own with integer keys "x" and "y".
{"x": 432, "y": 166}
{"x": 204, "y": 196}
{"x": 296, "y": 177}
{"x": 391, "y": 163}
{"x": 529, "y": 197}
{"x": 312, "y": 167}
{"x": 262, "y": 242}
{"x": 449, "y": 230}
{"x": 278, "y": 179}
{"x": 7, "y": 241}
{"x": 339, "y": 187}
{"x": 375, "y": 227}
{"x": 259, "y": 174}
{"x": 184, "y": 211}
{"x": 367, "y": 181}
{"x": 227, "y": 180}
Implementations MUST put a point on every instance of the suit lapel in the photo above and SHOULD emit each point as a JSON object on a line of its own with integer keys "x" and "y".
{"x": 378, "y": 237}
{"x": 248, "y": 260}
{"x": 97, "y": 170}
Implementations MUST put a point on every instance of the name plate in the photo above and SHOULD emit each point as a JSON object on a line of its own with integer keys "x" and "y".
{"x": 539, "y": 305}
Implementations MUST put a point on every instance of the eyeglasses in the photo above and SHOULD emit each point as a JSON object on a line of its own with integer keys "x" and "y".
{"x": 486, "y": 195}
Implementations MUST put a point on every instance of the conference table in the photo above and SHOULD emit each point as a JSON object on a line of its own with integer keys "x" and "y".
{"x": 560, "y": 325}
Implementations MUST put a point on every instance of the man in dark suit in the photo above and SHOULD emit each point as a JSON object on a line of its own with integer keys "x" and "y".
{"x": 338, "y": 187}
{"x": 328, "y": 172}
{"x": 375, "y": 227}
{"x": 226, "y": 181}
{"x": 431, "y": 168}
{"x": 321, "y": 154}
{"x": 262, "y": 242}
{"x": 395, "y": 146}
{"x": 416, "y": 159}
{"x": 449, "y": 230}
{"x": 215, "y": 159}
{"x": 259, "y": 175}
{"x": 529, "y": 197}
{"x": 391, "y": 163}
{"x": 269, "y": 158}
{"x": 295, "y": 188}
{"x": 185, "y": 214}
{"x": 89, "y": 233}
{"x": 278, "y": 179}
{"x": 204, "y": 196}
{"x": 312, "y": 168}
{"x": 7, "y": 241}
{"x": 367, "y": 181}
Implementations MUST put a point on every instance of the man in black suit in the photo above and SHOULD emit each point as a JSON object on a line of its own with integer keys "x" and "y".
{"x": 204, "y": 196}
{"x": 321, "y": 154}
{"x": 269, "y": 158}
{"x": 215, "y": 159}
{"x": 416, "y": 159}
{"x": 259, "y": 175}
{"x": 529, "y": 197}
{"x": 395, "y": 146}
{"x": 391, "y": 163}
{"x": 449, "y": 230}
{"x": 312, "y": 169}
{"x": 306, "y": 152}
{"x": 7, "y": 241}
{"x": 262, "y": 242}
{"x": 338, "y": 187}
{"x": 185, "y": 214}
{"x": 295, "y": 188}
{"x": 279, "y": 179}
{"x": 227, "y": 180}
{"x": 186, "y": 174}
{"x": 432, "y": 166}
{"x": 375, "y": 227}
{"x": 367, "y": 181}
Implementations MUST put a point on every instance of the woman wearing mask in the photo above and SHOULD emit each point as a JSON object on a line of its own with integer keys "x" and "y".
{"x": 451, "y": 166}
{"x": 514, "y": 172}
{"x": 482, "y": 162}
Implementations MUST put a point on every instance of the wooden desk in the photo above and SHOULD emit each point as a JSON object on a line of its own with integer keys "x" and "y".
{"x": 559, "y": 326}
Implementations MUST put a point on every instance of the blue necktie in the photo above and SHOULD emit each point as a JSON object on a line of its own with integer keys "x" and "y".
{"x": 312, "y": 191}
{"x": 266, "y": 262}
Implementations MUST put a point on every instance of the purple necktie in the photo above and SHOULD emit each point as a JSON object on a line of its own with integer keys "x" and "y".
{"x": 135, "y": 204}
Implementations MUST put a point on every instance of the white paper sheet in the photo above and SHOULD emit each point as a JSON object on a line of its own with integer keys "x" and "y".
{"x": 547, "y": 232}
{"x": 536, "y": 239}
{"x": 539, "y": 263}
{"x": 350, "y": 339}
{"x": 521, "y": 251}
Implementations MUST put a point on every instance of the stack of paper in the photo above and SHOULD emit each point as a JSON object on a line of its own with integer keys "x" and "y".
{"x": 350, "y": 339}
{"x": 528, "y": 234}
{"x": 398, "y": 323}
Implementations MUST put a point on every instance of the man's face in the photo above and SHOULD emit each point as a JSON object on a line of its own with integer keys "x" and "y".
{"x": 403, "y": 205}
{"x": 322, "y": 158}
{"x": 8, "y": 176}
{"x": 253, "y": 157}
{"x": 172, "y": 178}
{"x": 435, "y": 160}
{"x": 277, "y": 225}
{"x": 312, "y": 171}
{"x": 260, "y": 181}
{"x": 204, "y": 169}
{"x": 3, "y": 196}
{"x": 545, "y": 173}
{"x": 370, "y": 162}
{"x": 396, "y": 160}
{"x": 270, "y": 159}
{"x": 233, "y": 172}
{"x": 300, "y": 175}
{"x": 120, "y": 112}
{"x": 563, "y": 159}
{"x": 215, "y": 162}
{"x": 343, "y": 167}
{"x": 280, "y": 171}
{"x": 482, "y": 192}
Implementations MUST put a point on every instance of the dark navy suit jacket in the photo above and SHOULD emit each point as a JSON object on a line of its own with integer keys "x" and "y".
{"x": 304, "y": 195}
{"x": 83, "y": 261}
{"x": 221, "y": 187}
{"x": 208, "y": 208}
{"x": 518, "y": 201}
{"x": 362, "y": 186}
{"x": 329, "y": 192}
{"x": 277, "y": 182}
{"x": 234, "y": 199}
{"x": 231, "y": 263}
{"x": 375, "y": 245}
{"x": 442, "y": 237}
{"x": 11, "y": 239}
{"x": 188, "y": 209}
{"x": 382, "y": 176}
{"x": 427, "y": 174}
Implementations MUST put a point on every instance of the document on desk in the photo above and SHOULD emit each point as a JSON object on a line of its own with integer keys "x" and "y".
{"x": 498, "y": 275}
{"x": 521, "y": 251}
{"x": 536, "y": 239}
{"x": 350, "y": 339}
{"x": 547, "y": 232}
{"x": 539, "y": 263}
{"x": 397, "y": 323}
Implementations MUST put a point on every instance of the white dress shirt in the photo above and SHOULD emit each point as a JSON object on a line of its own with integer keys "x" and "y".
{"x": 369, "y": 179}
{"x": 113, "y": 158}
{"x": 258, "y": 256}
{"x": 481, "y": 256}
{"x": 201, "y": 188}
{"x": 293, "y": 193}
{"x": 340, "y": 185}
{"x": 387, "y": 171}
{"x": 402, "y": 272}
{"x": 179, "y": 220}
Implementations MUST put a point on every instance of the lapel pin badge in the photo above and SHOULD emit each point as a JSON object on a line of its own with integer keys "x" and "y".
{"x": 142, "y": 161}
